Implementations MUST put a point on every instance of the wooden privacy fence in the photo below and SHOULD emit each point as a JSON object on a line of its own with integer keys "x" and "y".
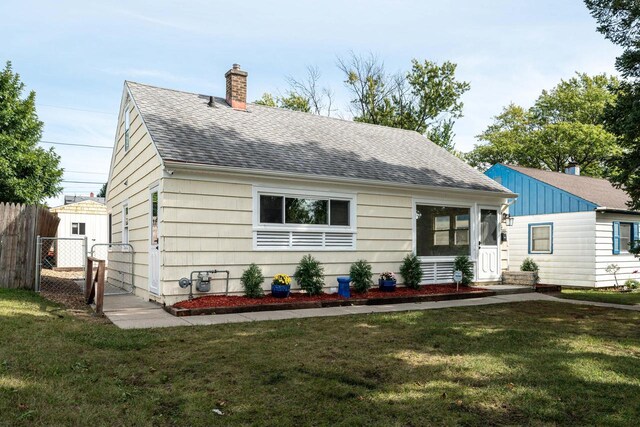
{"x": 19, "y": 227}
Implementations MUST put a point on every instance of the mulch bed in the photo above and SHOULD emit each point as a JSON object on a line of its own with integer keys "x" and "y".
{"x": 221, "y": 304}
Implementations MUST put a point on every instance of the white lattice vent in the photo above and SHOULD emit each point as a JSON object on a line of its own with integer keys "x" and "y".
{"x": 304, "y": 239}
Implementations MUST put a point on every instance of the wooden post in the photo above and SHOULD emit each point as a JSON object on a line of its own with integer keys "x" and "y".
{"x": 88, "y": 282}
{"x": 100, "y": 288}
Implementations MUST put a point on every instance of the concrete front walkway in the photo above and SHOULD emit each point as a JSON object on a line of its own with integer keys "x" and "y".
{"x": 131, "y": 312}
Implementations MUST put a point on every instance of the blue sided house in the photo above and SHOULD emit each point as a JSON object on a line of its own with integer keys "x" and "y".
{"x": 573, "y": 226}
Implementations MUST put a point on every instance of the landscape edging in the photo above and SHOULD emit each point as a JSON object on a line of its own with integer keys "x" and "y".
{"x": 298, "y": 305}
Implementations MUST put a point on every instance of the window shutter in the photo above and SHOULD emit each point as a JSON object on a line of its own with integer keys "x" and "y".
{"x": 616, "y": 237}
{"x": 636, "y": 231}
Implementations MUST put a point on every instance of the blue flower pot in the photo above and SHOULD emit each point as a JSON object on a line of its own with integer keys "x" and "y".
{"x": 387, "y": 285}
{"x": 280, "y": 291}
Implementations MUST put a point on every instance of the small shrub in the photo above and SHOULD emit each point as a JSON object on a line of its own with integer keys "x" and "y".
{"x": 411, "y": 271}
{"x": 464, "y": 264}
{"x": 613, "y": 269}
{"x": 310, "y": 275}
{"x": 528, "y": 265}
{"x": 361, "y": 276}
{"x": 252, "y": 280}
{"x": 632, "y": 284}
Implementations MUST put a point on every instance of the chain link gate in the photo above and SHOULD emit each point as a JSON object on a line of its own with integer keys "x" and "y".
{"x": 60, "y": 269}
{"x": 119, "y": 278}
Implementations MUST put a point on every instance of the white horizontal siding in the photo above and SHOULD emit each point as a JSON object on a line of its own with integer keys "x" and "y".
{"x": 604, "y": 251}
{"x": 130, "y": 176}
{"x": 207, "y": 223}
{"x": 572, "y": 262}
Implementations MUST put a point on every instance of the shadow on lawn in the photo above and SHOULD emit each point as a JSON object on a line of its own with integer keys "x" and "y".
{"x": 514, "y": 364}
{"x": 542, "y": 374}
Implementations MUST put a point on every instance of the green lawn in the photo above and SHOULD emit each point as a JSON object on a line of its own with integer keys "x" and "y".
{"x": 629, "y": 298}
{"x": 527, "y": 363}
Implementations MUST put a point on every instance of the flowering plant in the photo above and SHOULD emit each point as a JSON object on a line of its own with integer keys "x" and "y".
{"x": 281, "y": 279}
{"x": 387, "y": 275}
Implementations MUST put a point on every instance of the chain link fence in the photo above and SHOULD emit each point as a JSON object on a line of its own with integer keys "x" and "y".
{"x": 119, "y": 261}
{"x": 61, "y": 268}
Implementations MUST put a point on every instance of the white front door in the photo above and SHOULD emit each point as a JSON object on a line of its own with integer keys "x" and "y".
{"x": 489, "y": 249}
{"x": 154, "y": 242}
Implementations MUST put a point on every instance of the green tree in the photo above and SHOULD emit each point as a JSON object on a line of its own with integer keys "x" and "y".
{"x": 565, "y": 124}
{"x": 425, "y": 99}
{"x": 28, "y": 173}
{"x": 292, "y": 101}
{"x": 619, "y": 21}
{"x": 103, "y": 190}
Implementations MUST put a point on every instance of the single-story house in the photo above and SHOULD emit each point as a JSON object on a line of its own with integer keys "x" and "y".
{"x": 80, "y": 217}
{"x": 199, "y": 182}
{"x": 572, "y": 226}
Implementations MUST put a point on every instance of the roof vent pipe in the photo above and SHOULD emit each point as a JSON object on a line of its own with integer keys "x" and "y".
{"x": 210, "y": 101}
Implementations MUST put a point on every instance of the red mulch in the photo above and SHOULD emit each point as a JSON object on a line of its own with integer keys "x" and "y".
{"x": 236, "y": 301}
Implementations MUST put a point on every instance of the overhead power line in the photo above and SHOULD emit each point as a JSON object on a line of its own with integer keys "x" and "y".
{"x": 76, "y": 145}
{"x": 88, "y": 173}
{"x": 83, "y": 182}
{"x": 77, "y": 109}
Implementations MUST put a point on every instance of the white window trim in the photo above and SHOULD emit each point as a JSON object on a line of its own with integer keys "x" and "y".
{"x": 125, "y": 226}
{"x": 624, "y": 249}
{"x": 319, "y": 228}
{"x": 543, "y": 225}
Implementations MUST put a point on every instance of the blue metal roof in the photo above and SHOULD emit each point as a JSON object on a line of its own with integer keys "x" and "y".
{"x": 536, "y": 197}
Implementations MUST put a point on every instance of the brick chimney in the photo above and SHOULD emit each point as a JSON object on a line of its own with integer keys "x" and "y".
{"x": 236, "y": 87}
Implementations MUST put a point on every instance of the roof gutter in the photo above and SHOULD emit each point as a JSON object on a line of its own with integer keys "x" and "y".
{"x": 330, "y": 179}
{"x": 616, "y": 210}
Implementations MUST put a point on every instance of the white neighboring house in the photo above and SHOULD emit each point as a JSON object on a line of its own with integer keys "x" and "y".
{"x": 84, "y": 218}
{"x": 572, "y": 226}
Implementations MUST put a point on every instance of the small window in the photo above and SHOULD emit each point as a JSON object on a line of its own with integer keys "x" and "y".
{"x": 127, "y": 126}
{"x": 625, "y": 237}
{"x": 540, "y": 238}
{"x": 339, "y": 212}
{"x": 271, "y": 209}
{"x": 125, "y": 223}
{"x": 78, "y": 228}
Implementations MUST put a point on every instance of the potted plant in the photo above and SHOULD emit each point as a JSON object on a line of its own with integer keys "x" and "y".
{"x": 387, "y": 281}
{"x": 281, "y": 286}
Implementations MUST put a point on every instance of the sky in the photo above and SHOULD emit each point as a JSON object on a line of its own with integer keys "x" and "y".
{"x": 76, "y": 55}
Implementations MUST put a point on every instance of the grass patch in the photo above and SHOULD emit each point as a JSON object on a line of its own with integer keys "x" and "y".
{"x": 526, "y": 363}
{"x": 614, "y": 297}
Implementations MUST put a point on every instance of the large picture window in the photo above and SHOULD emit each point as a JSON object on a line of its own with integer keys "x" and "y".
{"x": 291, "y": 220}
{"x": 304, "y": 210}
{"x": 442, "y": 230}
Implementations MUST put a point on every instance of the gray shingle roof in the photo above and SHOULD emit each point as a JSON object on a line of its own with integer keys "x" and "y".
{"x": 596, "y": 190}
{"x": 185, "y": 129}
